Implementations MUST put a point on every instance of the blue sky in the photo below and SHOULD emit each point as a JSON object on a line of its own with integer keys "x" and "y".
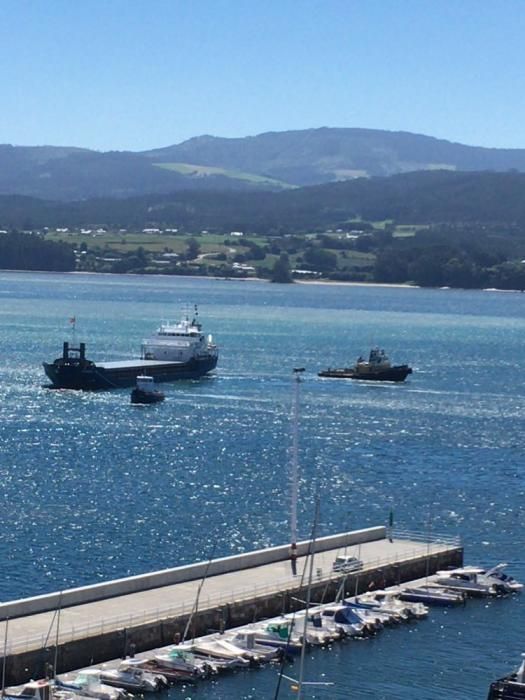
{"x": 139, "y": 74}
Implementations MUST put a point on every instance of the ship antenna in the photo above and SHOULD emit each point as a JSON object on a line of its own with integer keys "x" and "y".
{"x": 294, "y": 472}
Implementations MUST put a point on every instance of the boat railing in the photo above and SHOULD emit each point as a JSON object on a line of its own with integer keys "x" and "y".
{"x": 418, "y": 536}
{"x": 69, "y": 631}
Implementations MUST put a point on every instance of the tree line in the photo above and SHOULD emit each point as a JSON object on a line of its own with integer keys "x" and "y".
{"x": 22, "y": 251}
{"x": 415, "y": 198}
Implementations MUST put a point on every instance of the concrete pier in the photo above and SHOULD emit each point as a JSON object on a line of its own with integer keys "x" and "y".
{"x": 101, "y": 622}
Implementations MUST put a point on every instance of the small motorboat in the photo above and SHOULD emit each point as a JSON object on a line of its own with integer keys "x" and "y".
{"x": 473, "y": 581}
{"x": 511, "y": 687}
{"x": 376, "y": 368}
{"x": 34, "y": 690}
{"x": 182, "y": 660}
{"x": 247, "y": 641}
{"x": 172, "y": 675}
{"x": 499, "y": 576}
{"x": 373, "y": 618}
{"x": 133, "y": 679}
{"x": 340, "y": 617}
{"x": 389, "y": 602}
{"x": 432, "y": 595}
{"x": 88, "y": 684}
{"x": 216, "y": 660}
{"x": 278, "y": 635}
{"x": 226, "y": 643}
{"x": 314, "y": 632}
{"x": 215, "y": 650}
{"x": 145, "y": 391}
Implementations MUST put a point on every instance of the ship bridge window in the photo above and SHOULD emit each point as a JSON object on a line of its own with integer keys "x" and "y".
{"x": 179, "y": 335}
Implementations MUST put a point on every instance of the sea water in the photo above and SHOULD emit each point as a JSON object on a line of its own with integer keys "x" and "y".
{"x": 94, "y": 488}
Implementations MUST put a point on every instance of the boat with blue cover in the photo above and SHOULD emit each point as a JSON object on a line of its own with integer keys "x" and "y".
{"x": 175, "y": 351}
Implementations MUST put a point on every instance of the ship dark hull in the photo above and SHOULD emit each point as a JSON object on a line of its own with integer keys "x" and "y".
{"x": 392, "y": 374}
{"x": 139, "y": 396}
{"x": 507, "y": 689}
{"x": 92, "y": 377}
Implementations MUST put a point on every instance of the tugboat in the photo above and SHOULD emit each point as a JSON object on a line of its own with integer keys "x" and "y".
{"x": 511, "y": 687}
{"x": 176, "y": 351}
{"x": 377, "y": 368}
{"x": 145, "y": 391}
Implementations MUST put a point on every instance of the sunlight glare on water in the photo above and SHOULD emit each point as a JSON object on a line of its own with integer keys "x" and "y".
{"x": 94, "y": 488}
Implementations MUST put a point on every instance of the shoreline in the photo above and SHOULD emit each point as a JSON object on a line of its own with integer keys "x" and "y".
{"x": 340, "y": 283}
{"x": 326, "y": 282}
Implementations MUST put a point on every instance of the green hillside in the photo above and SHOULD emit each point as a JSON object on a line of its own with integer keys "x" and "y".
{"x": 314, "y": 156}
{"x": 271, "y": 161}
{"x": 202, "y": 171}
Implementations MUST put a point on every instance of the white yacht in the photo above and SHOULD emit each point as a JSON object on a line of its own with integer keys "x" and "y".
{"x": 473, "y": 581}
{"x": 500, "y": 576}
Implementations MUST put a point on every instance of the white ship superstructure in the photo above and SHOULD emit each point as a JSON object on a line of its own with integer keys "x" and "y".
{"x": 179, "y": 342}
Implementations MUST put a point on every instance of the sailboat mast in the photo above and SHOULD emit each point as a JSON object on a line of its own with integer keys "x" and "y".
{"x": 4, "y": 660}
{"x": 308, "y": 599}
{"x": 294, "y": 475}
{"x": 57, "y": 635}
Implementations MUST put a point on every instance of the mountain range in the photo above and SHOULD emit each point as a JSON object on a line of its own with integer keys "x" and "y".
{"x": 271, "y": 161}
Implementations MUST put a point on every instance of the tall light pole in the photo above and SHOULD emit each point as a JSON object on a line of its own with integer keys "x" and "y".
{"x": 294, "y": 471}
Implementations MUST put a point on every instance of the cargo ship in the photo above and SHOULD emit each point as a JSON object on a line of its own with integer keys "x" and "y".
{"x": 175, "y": 351}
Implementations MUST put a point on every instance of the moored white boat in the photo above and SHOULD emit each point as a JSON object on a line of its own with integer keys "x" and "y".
{"x": 473, "y": 581}
{"x": 316, "y": 633}
{"x": 341, "y": 617}
{"x": 172, "y": 675}
{"x": 389, "y": 602}
{"x": 42, "y": 690}
{"x": 183, "y": 660}
{"x": 134, "y": 679}
{"x": 216, "y": 650}
{"x": 278, "y": 635}
{"x": 432, "y": 595}
{"x": 88, "y": 683}
{"x": 497, "y": 574}
{"x": 247, "y": 640}
{"x": 369, "y": 615}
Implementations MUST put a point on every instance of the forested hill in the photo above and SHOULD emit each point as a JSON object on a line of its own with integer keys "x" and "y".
{"x": 273, "y": 161}
{"x": 424, "y": 197}
{"x": 315, "y": 156}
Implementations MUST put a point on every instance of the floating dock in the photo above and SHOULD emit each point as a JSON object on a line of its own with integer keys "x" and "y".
{"x": 93, "y": 624}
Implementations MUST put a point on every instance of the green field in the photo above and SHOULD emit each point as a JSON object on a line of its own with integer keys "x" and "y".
{"x": 205, "y": 170}
{"x": 407, "y": 230}
{"x": 216, "y": 251}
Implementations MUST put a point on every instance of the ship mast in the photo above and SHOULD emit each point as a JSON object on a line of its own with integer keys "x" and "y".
{"x": 294, "y": 471}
